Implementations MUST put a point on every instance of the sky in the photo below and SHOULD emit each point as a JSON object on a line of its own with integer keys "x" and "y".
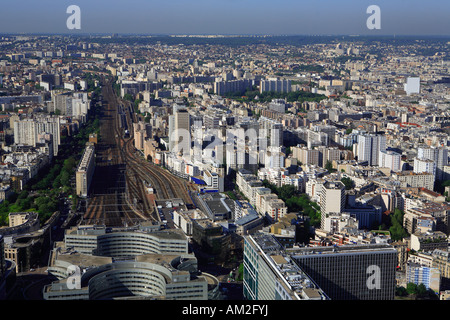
{"x": 274, "y": 17}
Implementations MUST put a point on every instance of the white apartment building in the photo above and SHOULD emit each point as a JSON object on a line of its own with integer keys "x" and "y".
{"x": 274, "y": 158}
{"x": 276, "y": 209}
{"x": 424, "y": 165}
{"x": 275, "y": 85}
{"x": 390, "y": 159}
{"x": 273, "y": 175}
{"x": 369, "y": 148}
{"x": 260, "y": 193}
{"x": 85, "y": 171}
{"x": 332, "y": 199}
{"x": 248, "y": 184}
{"x": 296, "y": 180}
{"x": 438, "y": 155}
{"x": 306, "y": 156}
{"x": 214, "y": 180}
{"x": 313, "y": 188}
{"x": 27, "y": 131}
{"x": 415, "y": 180}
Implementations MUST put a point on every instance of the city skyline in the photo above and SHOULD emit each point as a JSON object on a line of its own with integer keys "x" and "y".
{"x": 229, "y": 17}
{"x": 225, "y": 150}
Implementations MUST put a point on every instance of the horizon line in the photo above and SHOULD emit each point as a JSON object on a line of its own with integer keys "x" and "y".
{"x": 193, "y": 35}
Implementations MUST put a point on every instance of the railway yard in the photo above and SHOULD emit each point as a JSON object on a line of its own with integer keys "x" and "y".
{"x": 119, "y": 193}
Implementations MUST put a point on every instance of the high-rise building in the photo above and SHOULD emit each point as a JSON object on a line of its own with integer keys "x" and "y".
{"x": 271, "y": 274}
{"x": 274, "y": 158}
{"x": 27, "y": 131}
{"x": 339, "y": 50}
{"x": 276, "y": 134}
{"x": 329, "y": 130}
{"x": 351, "y": 272}
{"x": 278, "y": 105}
{"x": 275, "y": 85}
{"x": 412, "y": 85}
{"x": 2, "y": 269}
{"x": 141, "y": 131}
{"x": 410, "y": 179}
{"x": 171, "y": 126}
{"x": 328, "y": 154}
{"x": 439, "y": 155}
{"x": 50, "y": 125}
{"x": 179, "y": 131}
{"x": 332, "y": 199}
{"x": 390, "y": 159}
{"x": 424, "y": 165}
{"x": 224, "y": 87}
{"x": 369, "y": 148}
{"x": 85, "y": 171}
{"x": 2, "y": 257}
{"x": 306, "y": 156}
{"x": 212, "y": 121}
{"x": 62, "y": 101}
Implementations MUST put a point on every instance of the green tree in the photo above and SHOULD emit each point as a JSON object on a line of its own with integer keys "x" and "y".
{"x": 271, "y": 186}
{"x": 401, "y": 292}
{"x": 57, "y": 182}
{"x": 136, "y": 105}
{"x": 23, "y": 195}
{"x": 65, "y": 178}
{"x": 396, "y": 229}
{"x": 128, "y": 97}
{"x": 329, "y": 166}
{"x": 348, "y": 183}
{"x": 240, "y": 275}
{"x": 421, "y": 289}
{"x": 288, "y": 151}
{"x": 411, "y": 288}
{"x": 69, "y": 163}
{"x": 286, "y": 192}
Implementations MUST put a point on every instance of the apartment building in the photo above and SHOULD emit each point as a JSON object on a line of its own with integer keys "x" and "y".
{"x": 85, "y": 171}
{"x": 419, "y": 274}
{"x": 414, "y": 180}
{"x": 429, "y": 241}
{"x": 332, "y": 199}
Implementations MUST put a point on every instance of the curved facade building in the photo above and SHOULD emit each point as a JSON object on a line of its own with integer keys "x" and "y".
{"x": 96, "y": 263}
{"x": 100, "y": 241}
{"x": 153, "y": 276}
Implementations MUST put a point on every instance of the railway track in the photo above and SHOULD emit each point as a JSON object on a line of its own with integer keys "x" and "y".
{"x": 118, "y": 193}
{"x": 109, "y": 202}
{"x": 167, "y": 186}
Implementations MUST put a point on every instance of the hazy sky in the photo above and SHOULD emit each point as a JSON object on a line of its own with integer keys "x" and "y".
{"x": 306, "y": 17}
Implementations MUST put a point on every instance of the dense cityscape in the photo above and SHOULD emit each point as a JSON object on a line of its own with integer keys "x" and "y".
{"x": 224, "y": 167}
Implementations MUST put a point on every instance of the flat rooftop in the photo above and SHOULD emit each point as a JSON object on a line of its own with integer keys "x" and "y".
{"x": 342, "y": 249}
{"x": 175, "y": 234}
{"x": 83, "y": 260}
